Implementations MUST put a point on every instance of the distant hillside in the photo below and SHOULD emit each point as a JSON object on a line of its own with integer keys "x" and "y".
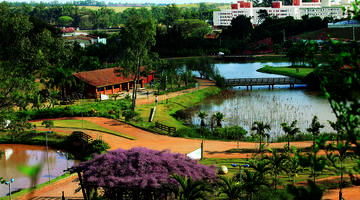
{"x": 341, "y": 33}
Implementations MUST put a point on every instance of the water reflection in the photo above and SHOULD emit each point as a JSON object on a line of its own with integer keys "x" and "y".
{"x": 16, "y": 155}
{"x": 272, "y": 106}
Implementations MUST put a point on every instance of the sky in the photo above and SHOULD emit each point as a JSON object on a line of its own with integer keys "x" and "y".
{"x": 139, "y": 1}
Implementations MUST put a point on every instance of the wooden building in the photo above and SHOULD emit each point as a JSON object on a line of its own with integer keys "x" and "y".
{"x": 107, "y": 82}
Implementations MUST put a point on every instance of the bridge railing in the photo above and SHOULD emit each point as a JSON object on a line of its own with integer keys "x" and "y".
{"x": 261, "y": 81}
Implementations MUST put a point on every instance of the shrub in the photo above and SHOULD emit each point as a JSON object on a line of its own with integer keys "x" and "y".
{"x": 186, "y": 132}
{"x": 219, "y": 81}
{"x": 98, "y": 147}
{"x": 130, "y": 115}
{"x": 108, "y": 109}
{"x": 182, "y": 114}
{"x": 141, "y": 168}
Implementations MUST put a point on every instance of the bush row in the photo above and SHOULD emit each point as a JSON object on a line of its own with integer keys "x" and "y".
{"x": 109, "y": 109}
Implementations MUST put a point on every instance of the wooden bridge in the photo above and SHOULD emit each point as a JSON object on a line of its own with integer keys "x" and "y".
{"x": 262, "y": 81}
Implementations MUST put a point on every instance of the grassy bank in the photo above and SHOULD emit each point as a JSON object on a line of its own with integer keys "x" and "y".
{"x": 287, "y": 71}
{"x": 164, "y": 111}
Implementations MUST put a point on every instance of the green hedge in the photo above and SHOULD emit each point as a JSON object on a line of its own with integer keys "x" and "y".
{"x": 109, "y": 109}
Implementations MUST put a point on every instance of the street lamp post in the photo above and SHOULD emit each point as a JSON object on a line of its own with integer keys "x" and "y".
{"x": 9, "y": 183}
{"x": 240, "y": 166}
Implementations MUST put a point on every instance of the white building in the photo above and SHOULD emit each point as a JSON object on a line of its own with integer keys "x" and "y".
{"x": 297, "y": 10}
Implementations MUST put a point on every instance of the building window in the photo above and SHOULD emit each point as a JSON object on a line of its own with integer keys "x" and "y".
{"x": 109, "y": 87}
{"x": 100, "y": 89}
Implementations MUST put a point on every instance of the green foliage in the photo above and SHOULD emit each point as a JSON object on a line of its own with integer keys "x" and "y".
{"x": 97, "y": 109}
{"x": 314, "y": 128}
{"x": 312, "y": 192}
{"x": 130, "y": 115}
{"x": 219, "y": 117}
{"x": 312, "y": 160}
{"x": 290, "y": 130}
{"x": 276, "y": 161}
{"x": 260, "y": 128}
{"x": 229, "y": 186}
{"x": 98, "y": 147}
{"x": 220, "y": 133}
{"x": 48, "y": 124}
{"x": 192, "y": 85}
{"x": 65, "y": 21}
{"x": 137, "y": 38}
{"x": 188, "y": 189}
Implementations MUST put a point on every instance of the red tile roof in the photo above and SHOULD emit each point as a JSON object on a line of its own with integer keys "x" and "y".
{"x": 102, "y": 77}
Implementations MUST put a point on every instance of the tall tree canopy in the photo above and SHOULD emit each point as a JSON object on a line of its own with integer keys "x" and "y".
{"x": 137, "y": 37}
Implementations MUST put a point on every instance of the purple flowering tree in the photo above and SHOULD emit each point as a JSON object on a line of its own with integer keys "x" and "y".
{"x": 141, "y": 168}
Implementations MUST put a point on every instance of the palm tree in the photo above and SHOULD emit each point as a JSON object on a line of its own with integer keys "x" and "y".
{"x": 253, "y": 182}
{"x": 189, "y": 189}
{"x": 314, "y": 128}
{"x": 290, "y": 131}
{"x": 219, "y": 117}
{"x": 343, "y": 153}
{"x": 276, "y": 161}
{"x": 229, "y": 186}
{"x": 260, "y": 128}
{"x": 202, "y": 116}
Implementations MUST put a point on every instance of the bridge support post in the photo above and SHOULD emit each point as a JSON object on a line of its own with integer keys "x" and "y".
{"x": 250, "y": 87}
{"x": 272, "y": 86}
{"x": 247, "y": 87}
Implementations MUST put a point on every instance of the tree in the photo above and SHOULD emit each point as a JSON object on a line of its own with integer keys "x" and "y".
{"x": 219, "y": 117}
{"x": 65, "y": 21}
{"x": 312, "y": 160}
{"x": 229, "y": 186}
{"x": 202, "y": 116}
{"x": 189, "y": 189}
{"x": 276, "y": 161}
{"x": 241, "y": 27}
{"x": 290, "y": 131}
{"x": 260, "y": 128}
{"x": 292, "y": 165}
{"x": 262, "y": 15}
{"x": 311, "y": 51}
{"x": 254, "y": 181}
{"x": 137, "y": 37}
{"x": 153, "y": 169}
{"x": 48, "y": 124}
{"x": 343, "y": 152}
{"x": 314, "y": 128}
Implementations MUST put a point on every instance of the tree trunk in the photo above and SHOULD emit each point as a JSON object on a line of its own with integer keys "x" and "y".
{"x": 288, "y": 142}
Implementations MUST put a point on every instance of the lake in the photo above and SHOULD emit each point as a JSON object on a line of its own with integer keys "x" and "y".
{"x": 281, "y": 104}
{"x": 16, "y": 155}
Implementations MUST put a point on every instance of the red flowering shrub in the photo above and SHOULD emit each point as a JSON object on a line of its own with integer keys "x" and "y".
{"x": 141, "y": 168}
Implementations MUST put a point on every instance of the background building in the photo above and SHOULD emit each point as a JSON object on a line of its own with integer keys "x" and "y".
{"x": 315, "y": 8}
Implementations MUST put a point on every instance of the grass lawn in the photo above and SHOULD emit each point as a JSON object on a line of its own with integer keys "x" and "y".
{"x": 87, "y": 125}
{"x": 164, "y": 111}
{"x": 287, "y": 71}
